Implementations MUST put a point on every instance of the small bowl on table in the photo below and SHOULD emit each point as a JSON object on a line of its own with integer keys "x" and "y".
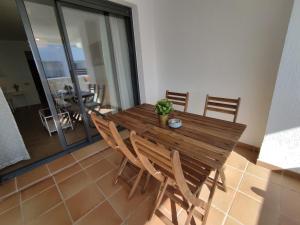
{"x": 175, "y": 123}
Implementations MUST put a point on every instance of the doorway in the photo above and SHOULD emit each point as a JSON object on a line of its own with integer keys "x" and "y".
{"x": 85, "y": 59}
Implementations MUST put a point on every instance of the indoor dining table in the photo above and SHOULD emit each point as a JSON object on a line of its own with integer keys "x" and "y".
{"x": 200, "y": 139}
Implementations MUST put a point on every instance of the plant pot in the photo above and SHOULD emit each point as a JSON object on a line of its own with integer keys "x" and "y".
{"x": 163, "y": 120}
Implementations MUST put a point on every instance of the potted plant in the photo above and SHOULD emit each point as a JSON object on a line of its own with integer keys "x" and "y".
{"x": 163, "y": 108}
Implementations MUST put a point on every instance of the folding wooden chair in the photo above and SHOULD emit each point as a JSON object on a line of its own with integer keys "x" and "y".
{"x": 110, "y": 134}
{"x": 177, "y": 98}
{"x": 222, "y": 105}
{"x": 176, "y": 177}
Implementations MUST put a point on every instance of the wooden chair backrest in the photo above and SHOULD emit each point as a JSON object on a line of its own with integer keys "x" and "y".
{"x": 222, "y": 105}
{"x": 163, "y": 164}
{"x": 177, "y": 98}
{"x": 111, "y": 135}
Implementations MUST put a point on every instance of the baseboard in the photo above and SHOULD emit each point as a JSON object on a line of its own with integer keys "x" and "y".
{"x": 247, "y": 146}
{"x": 267, "y": 165}
{"x": 286, "y": 172}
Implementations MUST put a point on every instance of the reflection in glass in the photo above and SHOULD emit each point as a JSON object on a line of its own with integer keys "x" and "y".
{"x": 45, "y": 29}
{"x": 102, "y": 67}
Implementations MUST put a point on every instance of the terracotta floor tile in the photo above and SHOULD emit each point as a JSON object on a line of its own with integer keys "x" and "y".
{"x": 215, "y": 217}
{"x": 56, "y": 216}
{"x": 37, "y": 188}
{"x": 96, "y": 158}
{"x": 83, "y": 201}
{"x": 230, "y": 221}
{"x": 9, "y": 202}
{"x": 154, "y": 221}
{"x": 7, "y": 187}
{"x": 89, "y": 150}
{"x": 237, "y": 161}
{"x": 115, "y": 158}
{"x": 285, "y": 220}
{"x": 250, "y": 212}
{"x": 104, "y": 214}
{"x": 74, "y": 184}
{"x": 99, "y": 169}
{"x": 233, "y": 177}
{"x": 67, "y": 173}
{"x": 291, "y": 182}
{"x": 32, "y": 176}
{"x": 290, "y": 203}
{"x": 61, "y": 163}
{"x": 222, "y": 199}
{"x": 122, "y": 205}
{"x": 39, "y": 204}
{"x": 141, "y": 215}
{"x": 107, "y": 185}
{"x": 261, "y": 190}
{"x": 169, "y": 208}
{"x": 266, "y": 174}
{"x": 11, "y": 217}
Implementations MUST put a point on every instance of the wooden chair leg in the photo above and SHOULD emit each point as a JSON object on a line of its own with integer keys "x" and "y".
{"x": 146, "y": 183}
{"x": 190, "y": 216}
{"x": 120, "y": 170}
{"x": 162, "y": 190}
{"x": 211, "y": 194}
{"x": 136, "y": 182}
{"x": 223, "y": 178}
{"x": 193, "y": 208}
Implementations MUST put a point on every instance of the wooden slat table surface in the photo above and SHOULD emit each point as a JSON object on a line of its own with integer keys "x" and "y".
{"x": 200, "y": 139}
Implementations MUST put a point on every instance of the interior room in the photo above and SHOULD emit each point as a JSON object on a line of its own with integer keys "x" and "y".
{"x": 24, "y": 92}
{"x": 146, "y": 112}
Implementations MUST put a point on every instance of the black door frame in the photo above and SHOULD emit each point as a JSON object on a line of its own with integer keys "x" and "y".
{"x": 100, "y": 6}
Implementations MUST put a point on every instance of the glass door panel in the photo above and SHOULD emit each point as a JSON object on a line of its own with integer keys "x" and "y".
{"x": 45, "y": 29}
{"x": 100, "y": 54}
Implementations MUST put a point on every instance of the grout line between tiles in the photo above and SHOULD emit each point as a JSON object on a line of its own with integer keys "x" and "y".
{"x": 67, "y": 177}
{"x": 46, "y": 189}
{"x": 104, "y": 196}
{"x": 62, "y": 198}
{"x": 8, "y": 209}
{"x": 235, "y": 194}
{"x": 235, "y": 220}
{"x": 21, "y": 210}
{"x": 45, "y": 212}
{"x": 35, "y": 182}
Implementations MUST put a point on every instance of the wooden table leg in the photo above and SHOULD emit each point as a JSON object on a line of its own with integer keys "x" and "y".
{"x": 223, "y": 178}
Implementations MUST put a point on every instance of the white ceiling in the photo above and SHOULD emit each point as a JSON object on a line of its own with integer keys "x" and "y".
{"x": 11, "y": 27}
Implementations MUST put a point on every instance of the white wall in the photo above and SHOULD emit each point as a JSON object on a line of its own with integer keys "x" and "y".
{"x": 14, "y": 69}
{"x": 227, "y": 48}
{"x": 281, "y": 145}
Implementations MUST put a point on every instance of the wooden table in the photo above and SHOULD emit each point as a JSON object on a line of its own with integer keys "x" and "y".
{"x": 200, "y": 139}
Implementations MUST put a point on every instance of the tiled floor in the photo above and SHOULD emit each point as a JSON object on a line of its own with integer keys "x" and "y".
{"x": 78, "y": 189}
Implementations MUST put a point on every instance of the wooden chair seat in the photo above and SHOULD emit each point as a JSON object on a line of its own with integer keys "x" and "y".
{"x": 180, "y": 180}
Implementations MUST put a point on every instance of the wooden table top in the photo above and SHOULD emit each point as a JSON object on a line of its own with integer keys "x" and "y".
{"x": 200, "y": 138}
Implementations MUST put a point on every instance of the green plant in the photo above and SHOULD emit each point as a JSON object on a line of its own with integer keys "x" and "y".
{"x": 163, "y": 107}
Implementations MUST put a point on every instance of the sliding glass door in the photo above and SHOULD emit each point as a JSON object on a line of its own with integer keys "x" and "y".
{"x": 85, "y": 57}
{"x": 99, "y": 49}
